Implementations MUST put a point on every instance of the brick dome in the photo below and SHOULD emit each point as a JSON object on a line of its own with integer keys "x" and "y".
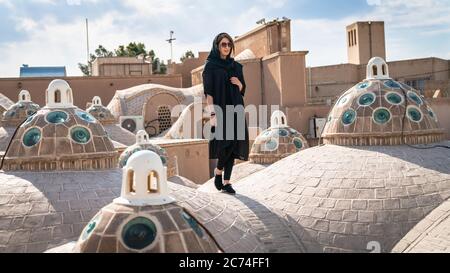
{"x": 276, "y": 142}
{"x": 60, "y": 136}
{"x": 381, "y": 111}
{"x": 100, "y": 112}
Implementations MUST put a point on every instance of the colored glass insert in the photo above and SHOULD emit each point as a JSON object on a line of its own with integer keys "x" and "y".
{"x": 90, "y": 227}
{"x": 391, "y": 84}
{"x": 31, "y": 112}
{"x": 29, "y": 119}
{"x": 10, "y": 114}
{"x": 431, "y": 113}
{"x": 298, "y": 143}
{"x": 80, "y": 135}
{"x": 363, "y": 85}
{"x": 413, "y": 96}
{"x": 85, "y": 116}
{"x": 271, "y": 145}
{"x": 381, "y": 115}
{"x": 394, "y": 98}
{"x": 414, "y": 114}
{"x": 193, "y": 224}
{"x": 366, "y": 99}
{"x": 348, "y": 117}
{"x": 343, "y": 100}
{"x": 282, "y": 133}
{"x": 139, "y": 233}
{"x": 163, "y": 160}
{"x": 57, "y": 117}
{"x": 31, "y": 137}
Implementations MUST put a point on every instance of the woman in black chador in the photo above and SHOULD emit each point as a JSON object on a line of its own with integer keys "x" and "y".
{"x": 224, "y": 87}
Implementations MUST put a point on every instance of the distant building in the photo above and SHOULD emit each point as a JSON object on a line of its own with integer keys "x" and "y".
{"x": 364, "y": 41}
{"x": 276, "y": 75}
{"x": 186, "y": 67}
{"x": 121, "y": 66}
{"x": 42, "y": 71}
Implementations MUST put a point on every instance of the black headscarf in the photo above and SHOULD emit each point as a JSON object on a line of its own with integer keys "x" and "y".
{"x": 214, "y": 58}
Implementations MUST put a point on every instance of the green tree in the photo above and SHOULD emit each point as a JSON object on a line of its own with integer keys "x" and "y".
{"x": 188, "y": 54}
{"x": 132, "y": 50}
{"x": 159, "y": 67}
{"x": 101, "y": 51}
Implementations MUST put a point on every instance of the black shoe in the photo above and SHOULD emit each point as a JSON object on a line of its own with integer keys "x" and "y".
{"x": 228, "y": 189}
{"x": 218, "y": 182}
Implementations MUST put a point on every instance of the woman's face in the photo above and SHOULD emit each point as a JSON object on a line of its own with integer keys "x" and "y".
{"x": 224, "y": 47}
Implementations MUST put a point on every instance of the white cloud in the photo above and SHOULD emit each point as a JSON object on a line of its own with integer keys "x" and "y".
{"x": 155, "y": 7}
{"x": 7, "y": 3}
{"x": 325, "y": 38}
{"x": 412, "y": 13}
{"x": 25, "y": 24}
{"x": 51, "y": 42}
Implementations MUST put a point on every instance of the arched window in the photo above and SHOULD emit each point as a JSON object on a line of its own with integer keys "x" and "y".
{"x": 276, "y": 121}
{"x": 349, "y": 39}
{"x": 130, "y": 181}
{"x": 152, "y": 182}
{"x": 282, "y": 120}
{"x": 374, "y": 70}
{"x": 383, "y": 69}
{"x": 24, "y": 97}
{"x": 57, "y": 96}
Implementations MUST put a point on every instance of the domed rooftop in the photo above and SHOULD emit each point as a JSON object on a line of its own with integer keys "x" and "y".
{"x": 276, "y": 142}
{"x": 145, "y": 218}
{"x": 100, "y": 112}
{"x": 381, "y": 111}
{"x": 60, "y": 136}
{"x": 142, "y": 143}
{"x": 153, "y": 215}
{"x": 342, "y": 198}
{"x": 14, "y": 116}
{"x": 432, "y": 234}
{"x": 246, "y": 54}
{"x": 21, "y": 110}
{"x": 347, "y": 198}
{"x": 111, "y": 125}
{"x": 5, "y": 103}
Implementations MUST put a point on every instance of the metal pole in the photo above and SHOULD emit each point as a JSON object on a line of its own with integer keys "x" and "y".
{"x": 87, "y": 43}
{"x": 170, "y": 40}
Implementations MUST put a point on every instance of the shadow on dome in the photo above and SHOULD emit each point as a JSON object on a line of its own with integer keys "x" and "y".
{"x": 429, "y": 156}
{"x": 267, "y": 226}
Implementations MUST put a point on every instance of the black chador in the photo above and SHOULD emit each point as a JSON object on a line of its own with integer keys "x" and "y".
{"x": 216, "y": 82}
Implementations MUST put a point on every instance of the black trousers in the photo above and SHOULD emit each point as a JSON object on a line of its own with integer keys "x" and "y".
{"x": 226, "y": 161}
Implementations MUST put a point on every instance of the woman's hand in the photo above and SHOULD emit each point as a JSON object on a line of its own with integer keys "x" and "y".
{"x": 213, "y": 121}
{"x": 236, "y": 81}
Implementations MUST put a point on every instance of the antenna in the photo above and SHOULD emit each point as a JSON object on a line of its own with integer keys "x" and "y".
{"x": 170, "y": 40}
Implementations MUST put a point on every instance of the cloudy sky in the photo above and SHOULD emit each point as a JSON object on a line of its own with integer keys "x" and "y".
{"x": 52, "y": 32}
